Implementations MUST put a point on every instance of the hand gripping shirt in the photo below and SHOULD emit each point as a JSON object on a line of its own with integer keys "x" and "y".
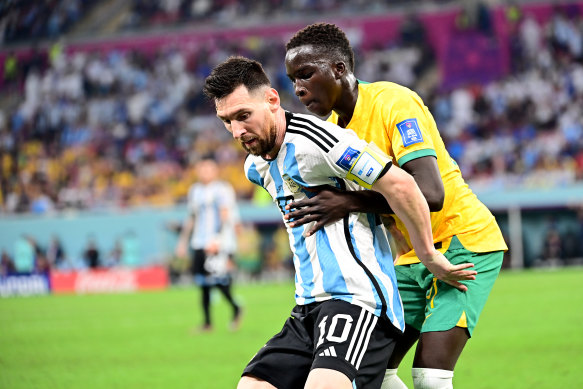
{"x": 347, "y": 260}
{"x": 397, "y": 121}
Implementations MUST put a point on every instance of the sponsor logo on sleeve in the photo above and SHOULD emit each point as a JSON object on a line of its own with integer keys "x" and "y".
{"x": 348, "y": 157}
{"x": 410, "y": 132}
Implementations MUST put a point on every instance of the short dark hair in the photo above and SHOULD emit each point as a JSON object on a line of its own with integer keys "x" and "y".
{"x": 328, "y": 37}
{"x": 235, "y": 71}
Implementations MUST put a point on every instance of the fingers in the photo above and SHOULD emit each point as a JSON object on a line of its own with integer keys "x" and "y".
{"x": 299, "y": 204}
{"x": 305, "y": 220}
{"x": 457, "y": 285}
{"x": 463, "y": 275}
{"x": 315, "y": 228}
{"x": 463, "y": 266}
{"x": 297, "y": 214}
{"x": 457, "y": 274}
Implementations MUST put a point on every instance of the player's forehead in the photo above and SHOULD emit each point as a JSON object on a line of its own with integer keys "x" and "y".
{"x": 238, "y": 100}
{"x": 305, "y": 56}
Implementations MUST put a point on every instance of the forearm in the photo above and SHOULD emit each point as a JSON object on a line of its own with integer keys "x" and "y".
{"x": 410, "y": 206}
{"x": 367, "y": 201}
{"x": 408, "y": 203}
{"x": 186, "y": 230}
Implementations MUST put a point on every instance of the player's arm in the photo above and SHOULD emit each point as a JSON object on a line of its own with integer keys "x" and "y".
{"x": 426, "y": 174}
{"x": 331, "y": 204}
{"x": 181, "y": 250}
{"x": 406, "y": 199}
{"x": 414, "y": 145}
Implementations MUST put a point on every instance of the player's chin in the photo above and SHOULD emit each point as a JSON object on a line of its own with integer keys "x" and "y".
{"x": 318, "y": 109}
{"x": 258, "y": 151}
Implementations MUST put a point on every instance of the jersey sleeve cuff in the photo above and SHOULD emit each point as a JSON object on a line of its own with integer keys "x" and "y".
{"x": 416, "y": 154}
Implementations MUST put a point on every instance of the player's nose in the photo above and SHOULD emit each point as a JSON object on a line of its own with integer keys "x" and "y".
{"x": 237, "y": 129}
{"x": 300, "y": 90}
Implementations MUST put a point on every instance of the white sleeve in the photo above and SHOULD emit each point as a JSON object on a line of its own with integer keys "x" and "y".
{"x": 350, "y": 157}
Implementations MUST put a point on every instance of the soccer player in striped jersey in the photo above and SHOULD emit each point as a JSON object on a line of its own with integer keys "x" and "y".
{"x": 210, "y": 231}
{"x": 320, "y": 63}
{"x": 348, "y": 312}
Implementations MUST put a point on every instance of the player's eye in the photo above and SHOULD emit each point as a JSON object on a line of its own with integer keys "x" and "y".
{"x": 244, "y": 116}
{"x": 305, "y": 76}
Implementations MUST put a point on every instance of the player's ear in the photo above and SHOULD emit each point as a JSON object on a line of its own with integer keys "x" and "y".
{"x": 339, "y": 69}
{"x": 272, "y": 98}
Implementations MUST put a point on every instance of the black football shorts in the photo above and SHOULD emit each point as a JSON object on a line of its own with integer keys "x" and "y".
{"x": 333, "y": 334}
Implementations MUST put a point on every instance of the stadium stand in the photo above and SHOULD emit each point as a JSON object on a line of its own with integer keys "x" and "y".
{"x": 23, "y": 21}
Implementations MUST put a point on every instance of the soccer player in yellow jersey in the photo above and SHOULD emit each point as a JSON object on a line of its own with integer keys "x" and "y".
{"x": 320, "y": 63}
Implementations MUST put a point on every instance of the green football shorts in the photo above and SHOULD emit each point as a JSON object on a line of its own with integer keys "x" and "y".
{"x": 433, "y": 305}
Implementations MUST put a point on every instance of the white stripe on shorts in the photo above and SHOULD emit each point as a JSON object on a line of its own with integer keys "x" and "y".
{"x": 361, "y": 337}
{"x": 365, "y": 346}
{"x": 355, "y": 333}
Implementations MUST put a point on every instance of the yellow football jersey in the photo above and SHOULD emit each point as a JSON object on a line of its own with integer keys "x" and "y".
{"x": 398, "y": 122}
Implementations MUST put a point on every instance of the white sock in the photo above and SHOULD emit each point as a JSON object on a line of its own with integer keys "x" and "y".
{"x": 392, "y": 380}
{"x": 432, "y": 378}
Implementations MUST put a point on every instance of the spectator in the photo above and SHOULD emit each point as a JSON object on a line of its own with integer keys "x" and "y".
{"x": 131, "y": 255}
{"x": 24, "y": 255}
{"x": 91, "y": 254}
{"x": 115, "y": 255}
{"x": 7, "y": 266}
{"x": 10, "y": 69}
{"x": 55, "y": 253}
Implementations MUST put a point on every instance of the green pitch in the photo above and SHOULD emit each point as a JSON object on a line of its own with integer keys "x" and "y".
{"x": 530, "y": 336}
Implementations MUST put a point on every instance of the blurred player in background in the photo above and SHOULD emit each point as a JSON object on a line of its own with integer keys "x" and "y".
{"x": 348, "y": 312}
{"x": 210, "y": 231}
{"x": 320, "y": 63}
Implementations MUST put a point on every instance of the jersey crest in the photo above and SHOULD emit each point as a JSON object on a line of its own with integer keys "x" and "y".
{"x": 293, "y": 186}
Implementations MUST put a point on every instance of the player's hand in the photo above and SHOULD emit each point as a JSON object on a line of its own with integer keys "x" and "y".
{"x": 212, "y": 248}
{"x": 327, "y": 206}
{"x": 400, "y": 244}
{"x": 443, "y": 270}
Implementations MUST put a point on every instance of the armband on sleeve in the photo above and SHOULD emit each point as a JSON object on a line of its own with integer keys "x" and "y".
{"x": 370, "y": 165}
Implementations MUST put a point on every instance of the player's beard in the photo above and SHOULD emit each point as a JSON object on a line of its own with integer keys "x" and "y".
{"x": 262, "y": 146}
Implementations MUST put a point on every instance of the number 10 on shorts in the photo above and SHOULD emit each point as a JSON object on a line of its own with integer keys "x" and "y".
{"x": 349, "y": 338}
{"x": 344, "y": 319}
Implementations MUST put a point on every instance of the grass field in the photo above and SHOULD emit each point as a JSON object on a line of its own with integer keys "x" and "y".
{"x": 530, "y": 336}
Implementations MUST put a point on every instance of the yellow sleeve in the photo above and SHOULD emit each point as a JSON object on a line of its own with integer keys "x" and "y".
{"x": 410, "y": 129}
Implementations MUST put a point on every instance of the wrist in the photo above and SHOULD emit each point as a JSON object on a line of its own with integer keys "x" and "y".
{"x": 354, "y": 202}
{"x": 430, "y": 256}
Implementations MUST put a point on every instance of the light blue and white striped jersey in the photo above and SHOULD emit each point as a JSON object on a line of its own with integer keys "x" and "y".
{"x": 205, "y": 203}
{"x": 347, "y": 260}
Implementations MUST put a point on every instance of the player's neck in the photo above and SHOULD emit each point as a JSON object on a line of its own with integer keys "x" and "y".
{"x": 347, "y": 102}
{"x": 280, "y": 125}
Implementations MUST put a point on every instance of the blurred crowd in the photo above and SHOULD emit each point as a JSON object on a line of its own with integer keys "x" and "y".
{"x": 145, "y": 13}
{"x": 123, "y": 128}
{"x": 25, "y": 20}
{"x": 526, "y": 129}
